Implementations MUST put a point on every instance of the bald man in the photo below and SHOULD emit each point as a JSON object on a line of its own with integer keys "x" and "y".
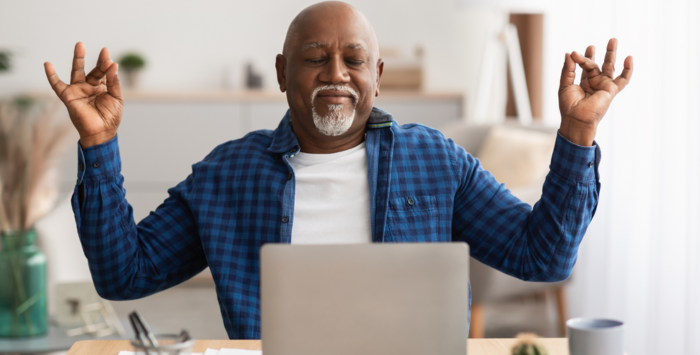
{"x": 336, "y": 170}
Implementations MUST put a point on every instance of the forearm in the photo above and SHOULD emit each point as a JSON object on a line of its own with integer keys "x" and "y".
{"x": 126, "y": 260}
{"x": 556, "y": 226}
{"x": 538, "y": 244}
{"x": 105, "y": 233}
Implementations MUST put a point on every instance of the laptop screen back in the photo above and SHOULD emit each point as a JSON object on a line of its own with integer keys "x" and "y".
{"x": 407, "y": 299}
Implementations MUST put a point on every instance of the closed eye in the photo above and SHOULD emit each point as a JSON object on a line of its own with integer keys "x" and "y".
{"x": 315, "y": 61}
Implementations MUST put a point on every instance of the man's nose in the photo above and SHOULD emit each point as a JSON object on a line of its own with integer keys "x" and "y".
{"x": 335, "y": 71}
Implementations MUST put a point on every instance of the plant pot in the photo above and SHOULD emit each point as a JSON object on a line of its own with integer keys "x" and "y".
{"x": 131, "y": 78}
{"x": 23, "y": 311}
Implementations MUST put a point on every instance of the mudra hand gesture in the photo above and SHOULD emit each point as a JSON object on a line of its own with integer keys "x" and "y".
{"x": 94, "y": 101}
{"x": 583, "y": 106}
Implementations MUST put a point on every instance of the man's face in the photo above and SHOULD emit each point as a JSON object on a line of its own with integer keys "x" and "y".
{"x": 330, "y": 75}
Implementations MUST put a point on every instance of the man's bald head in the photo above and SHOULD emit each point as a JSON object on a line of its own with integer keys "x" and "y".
{"x": 331, "y": 12}
{"x": 330, "y": 70}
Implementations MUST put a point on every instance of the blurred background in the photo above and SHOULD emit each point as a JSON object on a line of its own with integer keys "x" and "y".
{"x": 484, "y": 72}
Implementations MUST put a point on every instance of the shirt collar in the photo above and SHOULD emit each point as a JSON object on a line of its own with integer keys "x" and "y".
{"x": 284, "y": 139}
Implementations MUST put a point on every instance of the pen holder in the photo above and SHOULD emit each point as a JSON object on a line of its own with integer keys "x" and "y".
{"x": 171, "y": 344}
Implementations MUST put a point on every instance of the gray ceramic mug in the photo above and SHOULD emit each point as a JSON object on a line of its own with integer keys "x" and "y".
{"x": 595, "y": 336}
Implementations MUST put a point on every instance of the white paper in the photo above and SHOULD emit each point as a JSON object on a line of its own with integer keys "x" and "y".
{"x": 124, "y": 352}
{"x": 226, "y": 351}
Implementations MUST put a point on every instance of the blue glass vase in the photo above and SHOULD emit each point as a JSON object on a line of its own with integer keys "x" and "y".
{"x": 23, "y": 310}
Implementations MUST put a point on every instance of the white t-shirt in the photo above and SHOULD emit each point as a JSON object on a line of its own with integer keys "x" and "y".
{"x": 331, "y": 202}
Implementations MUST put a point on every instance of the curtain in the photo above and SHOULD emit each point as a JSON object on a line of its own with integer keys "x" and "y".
{"x": 640, "y": 260}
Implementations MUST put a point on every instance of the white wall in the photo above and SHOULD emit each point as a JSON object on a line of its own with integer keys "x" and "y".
{"x": 190, "y": 44}
{"x": 640, "y": 260}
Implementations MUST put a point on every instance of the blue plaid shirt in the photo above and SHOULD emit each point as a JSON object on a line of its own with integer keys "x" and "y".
{"x": 242, "y": 196}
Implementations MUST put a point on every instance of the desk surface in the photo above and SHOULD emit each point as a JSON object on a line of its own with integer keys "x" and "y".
{"x": 555, "y": 346}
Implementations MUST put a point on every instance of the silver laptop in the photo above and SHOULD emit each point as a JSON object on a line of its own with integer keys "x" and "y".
{"x": 369, "y": 299}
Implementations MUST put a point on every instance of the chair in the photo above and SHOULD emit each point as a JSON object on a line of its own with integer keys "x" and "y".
{"x": 536, "y": 144}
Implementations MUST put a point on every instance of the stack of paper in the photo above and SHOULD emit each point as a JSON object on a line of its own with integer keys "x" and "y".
{"x": 225, "y": 351}
{"x": 210, "y": 352}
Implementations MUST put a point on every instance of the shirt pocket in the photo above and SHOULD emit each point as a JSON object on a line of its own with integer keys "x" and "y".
{"x": 413, "y": 219}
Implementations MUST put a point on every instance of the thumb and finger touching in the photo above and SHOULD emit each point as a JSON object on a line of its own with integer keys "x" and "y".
{"x": 96, "y": 75}
{"x": 104, "y": 73}
{"x": 590, "y": 54}
{"x": 587, "y": 64}
{"x": 591, "y": 69}
{"x": 114, "y": 87}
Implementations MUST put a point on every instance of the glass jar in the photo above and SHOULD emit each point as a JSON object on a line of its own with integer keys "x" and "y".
{"x": 23, "y": 310}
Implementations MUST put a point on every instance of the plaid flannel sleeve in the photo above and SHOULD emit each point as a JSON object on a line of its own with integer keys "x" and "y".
{"x": 538, "y": 243}
{"x": 127, "y": 260}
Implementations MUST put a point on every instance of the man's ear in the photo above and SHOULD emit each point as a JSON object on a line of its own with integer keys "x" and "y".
{"x": 280, "y": 66}
{"x": 380, "y": 70}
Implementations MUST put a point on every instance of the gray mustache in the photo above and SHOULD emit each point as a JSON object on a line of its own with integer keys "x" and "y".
{"x": 336, "y": 88}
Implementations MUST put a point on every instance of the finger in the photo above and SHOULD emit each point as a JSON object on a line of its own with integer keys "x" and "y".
{"x": 624, "y": 78}
{"x": 56, "y": 84}
{"x": 590, "y": 54}
{"x": 568, "y": 72}
{"x": 104, "y": 55}
{"x": 96, "y": 75}
{"x": 609, "y": 62}
{"x": 114, "y": 88}
{"x": 103, "y": 63}
{"x": 77, "y": 75}
{"x": 586, "y": 64}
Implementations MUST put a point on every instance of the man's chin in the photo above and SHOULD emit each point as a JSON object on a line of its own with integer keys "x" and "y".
{"x": 333, "y": 122}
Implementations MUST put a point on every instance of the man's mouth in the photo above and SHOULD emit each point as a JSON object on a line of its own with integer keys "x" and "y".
{"x": 335, "y": 97}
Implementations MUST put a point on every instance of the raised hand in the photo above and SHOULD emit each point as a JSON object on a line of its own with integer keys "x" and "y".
{"x": 583, "y": 106}
{"x": 94, "y": 101}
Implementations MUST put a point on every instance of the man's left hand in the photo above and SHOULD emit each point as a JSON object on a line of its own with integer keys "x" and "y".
{"x": 583, "y": 106}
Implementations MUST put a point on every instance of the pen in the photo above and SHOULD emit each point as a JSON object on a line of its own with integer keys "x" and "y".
{"x": 137, "y": 329}
{"x": 146, "y": 329}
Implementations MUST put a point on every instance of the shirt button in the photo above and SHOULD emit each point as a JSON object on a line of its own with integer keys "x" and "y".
{"x": 285, "y": 219}
{"x": 289, "y": 176}
{"x": 590, "y": 165}
{"x": 81, "y": 167}
{"x": 96, "y": 164}
{"x": 411, "y": 202}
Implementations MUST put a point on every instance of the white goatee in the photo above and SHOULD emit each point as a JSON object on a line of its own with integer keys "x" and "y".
{"x": 334, "y": 123}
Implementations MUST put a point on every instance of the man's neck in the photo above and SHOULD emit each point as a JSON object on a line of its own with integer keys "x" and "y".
{"x": 308, "y": 143}
{"x": 312, "y": 146}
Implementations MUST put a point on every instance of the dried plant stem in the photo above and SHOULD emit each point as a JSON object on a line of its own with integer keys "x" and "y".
{"x": 33, "y": 137}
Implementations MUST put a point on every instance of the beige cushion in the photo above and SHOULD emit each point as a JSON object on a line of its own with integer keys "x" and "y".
{"x": 517, "y": 157}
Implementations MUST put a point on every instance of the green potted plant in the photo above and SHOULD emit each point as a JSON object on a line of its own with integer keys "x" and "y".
{"x": 528, "y": 345}
{"x": 32, "y": 138}
{"x": 5, "y": 57}
{"x": 131, "y": 64}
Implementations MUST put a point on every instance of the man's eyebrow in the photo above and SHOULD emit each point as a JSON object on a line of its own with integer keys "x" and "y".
{"x": 313, "y": 45}
{"x": 355, "y": 46}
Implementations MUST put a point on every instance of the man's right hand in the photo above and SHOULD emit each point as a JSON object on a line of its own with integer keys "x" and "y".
{"x": 94, "y": 101}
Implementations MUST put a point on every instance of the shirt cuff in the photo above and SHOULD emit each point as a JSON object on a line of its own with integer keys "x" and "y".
{"x": 575, "y": 162}
{"x": 99, "y": 161}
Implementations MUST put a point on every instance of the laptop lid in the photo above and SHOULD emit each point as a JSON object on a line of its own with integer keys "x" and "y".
{"x": 406, "y": 298}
